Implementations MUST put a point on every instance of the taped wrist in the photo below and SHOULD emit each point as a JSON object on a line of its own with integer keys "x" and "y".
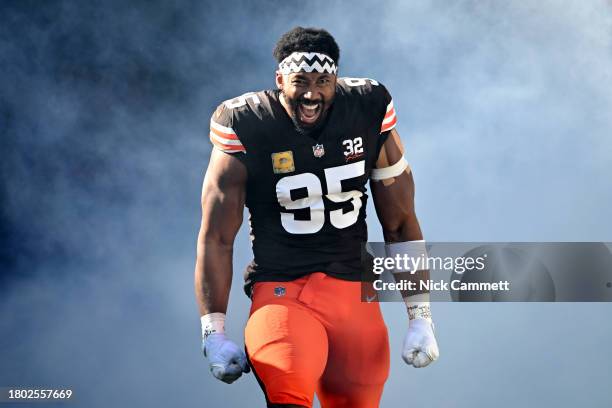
{"x": 411, "y": 261}
{"x": 418, "y": 307}
{"x": 416, "y": 250}
{"x": 212, "y": 323}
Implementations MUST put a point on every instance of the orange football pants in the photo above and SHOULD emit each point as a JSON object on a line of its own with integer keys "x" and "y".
{"x": 314, "y": 334}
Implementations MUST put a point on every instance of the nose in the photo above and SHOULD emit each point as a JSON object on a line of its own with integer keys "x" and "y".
{"x": 308, "y": 95}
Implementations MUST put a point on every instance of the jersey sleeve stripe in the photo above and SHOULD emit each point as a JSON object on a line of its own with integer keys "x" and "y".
{"x": 222, "y": 140}
{"x": 388, "y": 124}
{"x": 390, "y": 113}
{"x": 390, "y": 119}
{"x": 227, "y": 148}
{"x": 228, "y": 136}
{"x": 225, "y": 144}
{"x": 222, "y": 131}
{"x": 390, "y": 106}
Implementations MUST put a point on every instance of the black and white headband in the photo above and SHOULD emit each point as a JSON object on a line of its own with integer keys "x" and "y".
{"x": 307, "y": 62}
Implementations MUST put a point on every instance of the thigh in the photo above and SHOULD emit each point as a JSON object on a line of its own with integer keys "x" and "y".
{"x": 287, "y": 349}
{"x": 358, "y": 360}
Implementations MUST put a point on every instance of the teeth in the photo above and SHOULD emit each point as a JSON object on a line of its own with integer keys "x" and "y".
{"x": 311, "y": 107}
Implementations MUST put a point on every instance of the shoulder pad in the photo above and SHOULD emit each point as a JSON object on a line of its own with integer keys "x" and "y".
{"x": 222, "y": 134}
{"x": 377, "y": 97}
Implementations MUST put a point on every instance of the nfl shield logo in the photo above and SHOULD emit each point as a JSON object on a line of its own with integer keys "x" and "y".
{"x": 279, "y": 291}
{"x": 318, "y": 150}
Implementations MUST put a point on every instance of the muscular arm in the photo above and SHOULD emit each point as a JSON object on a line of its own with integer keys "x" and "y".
{"x": 223, "y": 195}
{"x": 394, "y": 203}
{"x": 394, "y": 198}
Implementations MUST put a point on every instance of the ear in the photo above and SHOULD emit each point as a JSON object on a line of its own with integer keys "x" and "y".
{"x": 279, "y": 80}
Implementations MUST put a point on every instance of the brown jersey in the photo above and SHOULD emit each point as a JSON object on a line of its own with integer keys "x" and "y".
{"x": 306, "y": 197}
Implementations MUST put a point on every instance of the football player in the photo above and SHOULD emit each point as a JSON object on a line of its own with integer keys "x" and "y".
{"x": 299, "y": 158}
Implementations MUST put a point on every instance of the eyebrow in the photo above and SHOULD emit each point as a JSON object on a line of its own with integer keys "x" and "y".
{"x": 302, "y": 77}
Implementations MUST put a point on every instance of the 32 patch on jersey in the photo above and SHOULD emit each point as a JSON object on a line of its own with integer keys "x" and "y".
{"x": 353, "y": 148}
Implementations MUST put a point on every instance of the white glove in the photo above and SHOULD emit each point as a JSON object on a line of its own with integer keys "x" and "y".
{"x": 420, "y": 345}
{"x": 227, "y": 361}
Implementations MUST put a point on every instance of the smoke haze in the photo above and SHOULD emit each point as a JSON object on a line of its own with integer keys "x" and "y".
{"x": 504, "y": 109}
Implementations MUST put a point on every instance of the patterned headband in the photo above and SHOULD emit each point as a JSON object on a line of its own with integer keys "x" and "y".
{"x": 307, "y": 62}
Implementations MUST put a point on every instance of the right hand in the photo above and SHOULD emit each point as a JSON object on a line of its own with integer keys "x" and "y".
{"x": 227, "y": 361}
{"x": 420, "y": 345}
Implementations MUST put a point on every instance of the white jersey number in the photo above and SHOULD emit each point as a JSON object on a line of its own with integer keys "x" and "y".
{"x": 242, "y": 100}
{"x": 354, "y": 146}
{"x": 360, "y": 81}
{"x": 314, "y": 198}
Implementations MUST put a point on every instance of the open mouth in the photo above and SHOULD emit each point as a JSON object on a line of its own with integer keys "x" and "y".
{"x": 309, "y": 112}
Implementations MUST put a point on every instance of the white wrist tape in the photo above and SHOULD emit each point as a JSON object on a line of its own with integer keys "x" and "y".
{"x": 391, "y": 171}
{"x": 418, "y": 306}
{"x": 212, "y": 323}
{"x": 410, "y": 256}
{"x": 415, "y": 253}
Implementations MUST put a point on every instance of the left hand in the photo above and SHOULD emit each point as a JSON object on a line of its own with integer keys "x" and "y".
{"x": 227, "y": 361}
{"x": 420, "y": 345}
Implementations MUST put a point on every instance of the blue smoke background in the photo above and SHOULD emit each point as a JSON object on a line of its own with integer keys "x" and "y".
{"x": 504, "y": 108}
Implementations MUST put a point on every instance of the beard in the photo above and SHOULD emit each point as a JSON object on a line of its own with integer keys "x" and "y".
{"x": 307, "y": 129}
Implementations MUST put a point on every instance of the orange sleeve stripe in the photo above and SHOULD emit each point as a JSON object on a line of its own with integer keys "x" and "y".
{"x": 224, "y": 141}
{"x": 388, "y": 126}
{"x": 231, "y": 136}
{"x": 390, "y": 113}
{"x": 227, "y": 148}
